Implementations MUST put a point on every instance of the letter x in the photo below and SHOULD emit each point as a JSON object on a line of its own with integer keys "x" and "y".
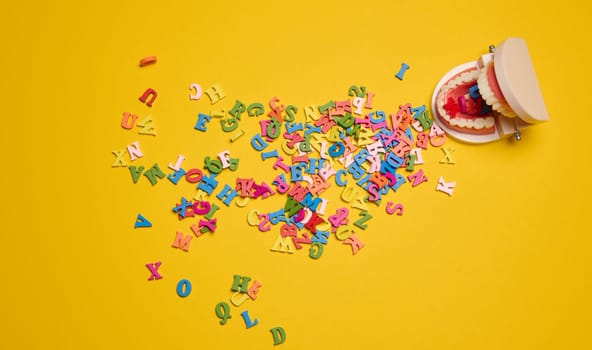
{"x": 154, "y": 271}
{"x": 119, "y": 158}
{"x": 447, "y": 155}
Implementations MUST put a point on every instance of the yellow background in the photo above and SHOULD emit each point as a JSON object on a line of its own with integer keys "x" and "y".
{"x": 502, "y": 264}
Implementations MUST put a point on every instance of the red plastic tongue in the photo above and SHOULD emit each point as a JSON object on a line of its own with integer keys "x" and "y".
{"x": 459, "y": 101}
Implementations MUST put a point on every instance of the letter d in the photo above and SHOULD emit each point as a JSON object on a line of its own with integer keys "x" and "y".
{"x": 279, "y": 335}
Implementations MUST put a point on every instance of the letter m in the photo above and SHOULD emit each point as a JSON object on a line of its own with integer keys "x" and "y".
{"x": 298, "y": 192}
{"x": 182, "y": 242}
{"x": 310, "y": 203}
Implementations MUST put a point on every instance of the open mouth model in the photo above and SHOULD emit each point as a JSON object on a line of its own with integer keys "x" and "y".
{"x": 469, "y": 101}
{"x": 490, "y": 98}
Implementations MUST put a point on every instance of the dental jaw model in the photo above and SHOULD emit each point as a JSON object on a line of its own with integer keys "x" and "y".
{"x": 489, "y": 99}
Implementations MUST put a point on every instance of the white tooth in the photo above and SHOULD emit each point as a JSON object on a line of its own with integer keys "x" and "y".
{"x": 440, "y": 106}
{"x": 489, "y": 122}
{"x": 467, "y": 78}
{"x": 479, "y": 123}
{"x": 453, "y": 121}
{"x": 469, "y": 123}
{"x": 462, "y": 123}
{"x": 483, "y": 83}
{"x": 489, "y": 96}
{"x": 443, "y": 114}
{"x": 453, "y": 83}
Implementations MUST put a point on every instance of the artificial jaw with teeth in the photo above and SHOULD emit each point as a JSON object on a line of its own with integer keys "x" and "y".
{"x": 470, "y": 100}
